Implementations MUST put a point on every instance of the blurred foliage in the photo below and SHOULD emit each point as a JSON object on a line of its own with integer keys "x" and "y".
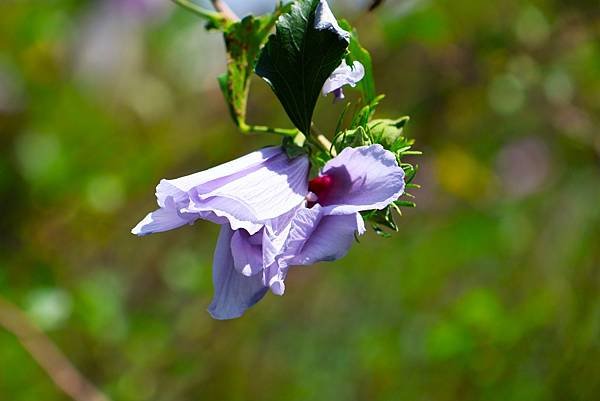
{"x": 489, "y": 291}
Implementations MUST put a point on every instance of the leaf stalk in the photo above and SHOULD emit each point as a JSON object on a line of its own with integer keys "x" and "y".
{"x": 262, "y": 129}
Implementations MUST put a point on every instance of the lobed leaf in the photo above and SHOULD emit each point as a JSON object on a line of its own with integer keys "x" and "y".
{"x": 298, "y": 59}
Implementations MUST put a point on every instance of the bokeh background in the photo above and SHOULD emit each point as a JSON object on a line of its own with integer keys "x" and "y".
{"x": 489, "y": 291}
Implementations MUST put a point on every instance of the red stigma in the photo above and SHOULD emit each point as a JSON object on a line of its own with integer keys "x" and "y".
{"x": 321, "y": 186}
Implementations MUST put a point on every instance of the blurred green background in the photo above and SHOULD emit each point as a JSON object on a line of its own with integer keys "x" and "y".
{"x": 490, "y": 291}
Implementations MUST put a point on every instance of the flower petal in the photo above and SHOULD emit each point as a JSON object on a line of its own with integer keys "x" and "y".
{"x": 164, "y": 219}
{"x": 160, "y": 220}
{"x": 169, "y": 217}
{"x": 244, "y": 192}
{"x": 364, "y": 178}
{"x": 275, "y": 235}
{"x": 316, "y": 237}
{"x": 234, "y": 293}
{"x": 247, "y": 256}
{"x": 272, "y": 190}
{"x": 215, "y": 176}
{"x": 274, "y": 277}
{"x": 344, "y": 75}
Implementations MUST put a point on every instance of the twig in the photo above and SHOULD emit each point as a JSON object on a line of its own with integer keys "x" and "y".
{"x": 47, "y": 355}
{"x": 224, "y": 9}
{"x": 196, "y": 9}
{"x": 375, "y": 4}
{"x": 322, "y": 140}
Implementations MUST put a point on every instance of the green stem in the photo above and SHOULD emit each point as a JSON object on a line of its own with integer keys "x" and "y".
{"x": 326, "y": 144}
{"x": 261, "y": 129}
{"x": 196, "y": 9}
{"x": 322, "y": 141}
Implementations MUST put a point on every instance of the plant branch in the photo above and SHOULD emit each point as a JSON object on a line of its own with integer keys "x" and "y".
{"x": 224, "y": 9}
{"x": 261, "y": 129}
{"x": 196, "y": 9}
{"x": 47, "y": 355}
{"x": 375, "y": 4}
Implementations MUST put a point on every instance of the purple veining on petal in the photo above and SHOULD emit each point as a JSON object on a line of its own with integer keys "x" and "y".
{"x": 358, "y": 179}
{"x": 265, "y": 193}
{"x": 274, "y": 278}
{"x": 316, "y": 237}
{"x": 244, "y": 192}
{"x": 234, "y": 292}
{"x": 247, "y": 252}
{"x": 363, "y": 178}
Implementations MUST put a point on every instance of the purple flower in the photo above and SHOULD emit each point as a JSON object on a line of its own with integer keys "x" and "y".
{"x": 253, "y": 198}
{"x": 272, "y": 217}
{"x": 245, "y": 267}
{"x": 358, "y": 179}
{"x": 343, "y": 75}
{"x": 321, "y": 229}
{"x": 245, "y": 193}
{"x": 234, "y": 292}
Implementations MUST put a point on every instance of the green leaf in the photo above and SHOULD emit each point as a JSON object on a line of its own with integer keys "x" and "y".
{"x": 383, "y": 217}
{"x": 379, "y": 231}
{"x": 243, "y": 40}
{"x": 364, "y": 115}
{"x": 404, "y": 203}
{"x": 298, "y": 59}
{"x": 360, "y": 54}
{"x": 411, "y": 172}
{"x": 294, "y": 146}
{"x": 387, "y": 132}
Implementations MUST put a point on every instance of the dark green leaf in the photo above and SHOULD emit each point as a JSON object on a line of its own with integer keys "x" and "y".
{"x": 298, "y": 59}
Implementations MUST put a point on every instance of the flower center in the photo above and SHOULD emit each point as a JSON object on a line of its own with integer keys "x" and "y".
{"x": 320, "y": 186}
